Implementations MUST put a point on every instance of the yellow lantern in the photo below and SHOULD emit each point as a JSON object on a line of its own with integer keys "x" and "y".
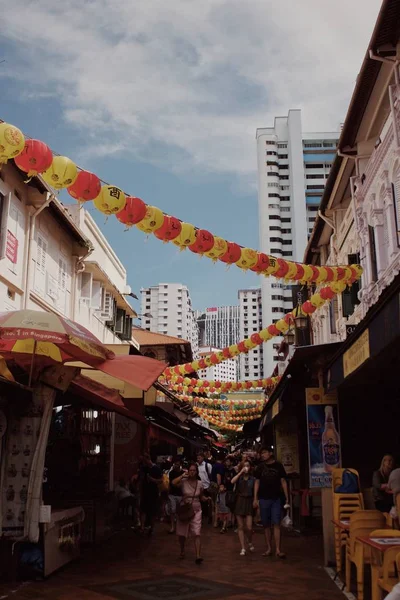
{"x": 12, "y": 142}
{"x": 153, "y": 220}
{"x": 292, "y": 270}
{"x": 317, "y": 300}
{"x": 358, "y": 269}
{"x": 265, "y": 335}
{"x": 187, "y": 236}
{"x": 272, "y": 267}
{"x": 219, "y": 249}
{"x": 62, "y": 173}
{"x": 308, "y": 273}
{"x": 234, "y": 350}
{"x": 248, "y": 258}
{"x": 195, "y": 365}
{"x": 282, "y": 325}
{"x": 249, "y": 344}
{"x": 338, "y": 286}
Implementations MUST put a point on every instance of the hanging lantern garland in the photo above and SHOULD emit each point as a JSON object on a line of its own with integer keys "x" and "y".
{"x": 178, "y": 383}
{"x": 256, "y": 339}
{"x": 221, "y": 402}
{"x": 63, "y": 173}
{"x": 226, "y": 414}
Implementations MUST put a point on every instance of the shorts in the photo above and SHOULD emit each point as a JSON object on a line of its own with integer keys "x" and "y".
{"x": 174, "y": 501}
{"x": 271, "y": 512}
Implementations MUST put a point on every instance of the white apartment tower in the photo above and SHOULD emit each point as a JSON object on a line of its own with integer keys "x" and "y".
{"x": 167, "y": 308}
{"x": 218, "y": 326}
{"x": 225, "y": 371}
{"x": 292, "y": 171}
{"x": 250, "y": 308}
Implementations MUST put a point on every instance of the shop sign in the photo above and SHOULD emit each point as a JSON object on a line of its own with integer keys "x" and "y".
{"x": 125, "y": 429}
{"x": 287, "y": 451}
{"x": 357, "y": 354}
{"x": 323, "y": 437}
{"x": 11, "y": 247}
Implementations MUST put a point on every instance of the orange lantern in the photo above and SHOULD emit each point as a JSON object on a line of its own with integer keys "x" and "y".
{"x": 87, "y": 186}
{"x": 232, "y": 255}
{"x": 262, "y": 263}
{"x": 203, "y": 243}
{"x": 36, "y": 157}
{"x": 169, "y": 230}
{"x": 133, "y": 212}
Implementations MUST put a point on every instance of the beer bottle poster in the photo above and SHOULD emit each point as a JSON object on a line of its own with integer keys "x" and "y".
{"x": 323, "y": 436}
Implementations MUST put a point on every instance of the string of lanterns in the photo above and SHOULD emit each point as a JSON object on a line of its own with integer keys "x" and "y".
{"x": 317, "y": 300}
{"x": 179, "y": 383}
{"x": 226, "y": 414}
{"x": 220, "y": 401}
{"x": 36, "y": 158}
{"x": 218, "y": 422}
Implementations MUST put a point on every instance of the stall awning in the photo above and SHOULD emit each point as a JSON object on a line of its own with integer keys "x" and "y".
{"x": 100, "y": 395}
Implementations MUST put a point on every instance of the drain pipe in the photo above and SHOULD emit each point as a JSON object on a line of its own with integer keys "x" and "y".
{"x": 31, "y": 237}
{"x": 79, "y": 268}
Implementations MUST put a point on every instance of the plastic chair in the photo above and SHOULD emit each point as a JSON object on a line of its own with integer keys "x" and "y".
{"x": 383, "y": 568}
{"x": 362, "y": 523}
{"x": 344, "y": 506}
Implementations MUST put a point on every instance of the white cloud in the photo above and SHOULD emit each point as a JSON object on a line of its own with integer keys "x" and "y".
{"x": 185, "y": 83}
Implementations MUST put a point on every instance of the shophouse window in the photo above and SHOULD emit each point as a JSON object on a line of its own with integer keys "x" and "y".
{"x": 333, "y": 314}
{"x": 372, "y": 245}
{"x": 350, "y": 296}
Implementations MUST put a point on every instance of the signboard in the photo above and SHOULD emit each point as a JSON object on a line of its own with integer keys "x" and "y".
{"x": 45, "y": 513}
{"x": 287, "y": 451}
{"x": 125, "y": 429}
{"x": 357, "y": 354}
{"x": 323, "y": 436}
{"x": 212, "y": 309}
{"x": 11, "y": 247}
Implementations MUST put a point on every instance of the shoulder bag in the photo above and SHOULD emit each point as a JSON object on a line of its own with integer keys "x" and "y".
{"x": 185, "y": 510}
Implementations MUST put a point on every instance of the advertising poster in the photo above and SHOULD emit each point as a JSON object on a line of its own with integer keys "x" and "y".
{"x": 323, "y": 436}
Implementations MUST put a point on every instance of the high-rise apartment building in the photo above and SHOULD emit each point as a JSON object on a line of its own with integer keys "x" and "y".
{"x": 167, "y": 308}
{"x": 225, "y": 371}
{"x": 250, "y": 310}
{"x": 292, "y": 170}
{"x": 218, "y": 326}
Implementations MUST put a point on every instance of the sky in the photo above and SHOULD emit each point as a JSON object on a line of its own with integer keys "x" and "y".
{"x": 163, "y": 99}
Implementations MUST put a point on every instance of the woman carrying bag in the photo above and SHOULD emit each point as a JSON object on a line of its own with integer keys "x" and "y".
{"x": 189, "y": 515}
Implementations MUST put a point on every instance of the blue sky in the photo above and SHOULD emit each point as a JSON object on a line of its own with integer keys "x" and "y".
{"x": 163, "y": 100}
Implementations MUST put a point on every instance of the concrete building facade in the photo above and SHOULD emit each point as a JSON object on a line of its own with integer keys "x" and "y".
{"x": 218, "y": 326}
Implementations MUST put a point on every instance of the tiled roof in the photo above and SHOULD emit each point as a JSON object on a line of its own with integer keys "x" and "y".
{"x": 151, "y": 338}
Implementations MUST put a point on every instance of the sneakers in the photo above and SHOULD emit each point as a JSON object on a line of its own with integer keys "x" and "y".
{"x": 243, "y": 552}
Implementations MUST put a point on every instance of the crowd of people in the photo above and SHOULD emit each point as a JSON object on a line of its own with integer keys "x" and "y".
{"x": 231, "y": 493}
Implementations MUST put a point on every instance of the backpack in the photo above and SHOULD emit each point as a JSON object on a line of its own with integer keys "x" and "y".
{"x": 349, "y": 483}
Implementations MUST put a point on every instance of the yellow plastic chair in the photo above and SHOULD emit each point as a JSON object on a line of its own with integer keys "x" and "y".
{"x": 362, "y": 523}
{"x": 383, "y": 565}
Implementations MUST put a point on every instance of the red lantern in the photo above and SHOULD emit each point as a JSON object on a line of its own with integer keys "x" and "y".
{"x": 176, "y": 370}
{"x": 299, "y": 272}
{"x": 262, "y": 263}
{"x": 283, "y": 268}
{"x": 268, "y": 381}
{"x": 315, "y": 271}
{"x": 214, "y": 359}
{"x": 242, "y": 348}
{"x": 202, "y": 364}
{"x": 273, "y": 330}
{"x": 204, "y": 242}
{"x": 308, "y": 308}
{"x": 206, "y": 383}
{"x": 86, "y": 186}
{"x": 36, "y": 157}
{"x": 217, "y": 384}
{"x": 226, "y": 352}
{"x": 330, "y": 274}
{"x": 256, "y": 339}
{"x": 179, "y": 379}
{"x": 188, "y": 368}
{"x": 193, "y": 381}
{"x": 326, "y": 293}
{"x": 288, "y": 318}
{"x": 169, "y": 230}
{"x": 133, "y": 212}
{"x": 340, "y": 273}
{"x": 248, "y": 384}
{"x": 228, "y": 385}
{"x": 233, "y": 253}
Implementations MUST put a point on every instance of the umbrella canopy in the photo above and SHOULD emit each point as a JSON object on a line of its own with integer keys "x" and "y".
{"x": 139, "y": 371}
{"x": 50, "y": 336}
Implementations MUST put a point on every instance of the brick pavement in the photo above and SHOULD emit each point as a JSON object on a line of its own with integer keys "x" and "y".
{"x": 128, "y": 567}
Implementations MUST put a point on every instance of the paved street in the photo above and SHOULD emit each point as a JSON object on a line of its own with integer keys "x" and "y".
{"x": 128, "y": 567}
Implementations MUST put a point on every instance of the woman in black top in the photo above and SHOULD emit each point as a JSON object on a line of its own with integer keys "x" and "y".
{"x": 383, "y": 498}
{"x": 244, "y": 506}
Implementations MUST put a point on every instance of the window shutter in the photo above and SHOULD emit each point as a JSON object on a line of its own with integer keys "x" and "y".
{"x": 41, "y": 259}
{"x": 86, "y": 288}
{"x": 120, "y": 320}
{"x": 96, "y": 295}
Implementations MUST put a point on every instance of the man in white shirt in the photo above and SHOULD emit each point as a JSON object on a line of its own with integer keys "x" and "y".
{"x": 205, "y": 470}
